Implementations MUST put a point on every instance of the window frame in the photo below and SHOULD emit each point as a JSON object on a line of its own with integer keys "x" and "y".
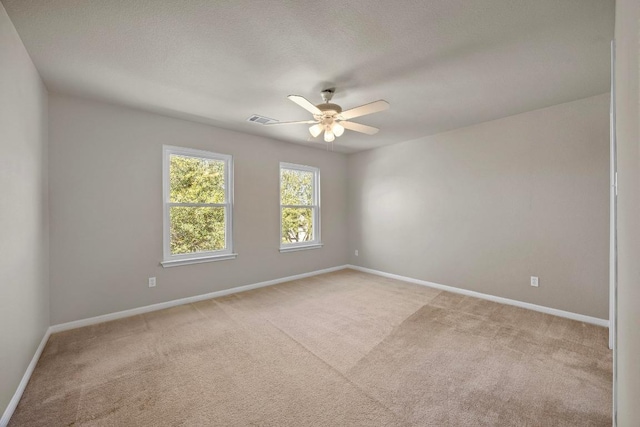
{"x": 316, "y": 243}
{"x": 169, "y": 260}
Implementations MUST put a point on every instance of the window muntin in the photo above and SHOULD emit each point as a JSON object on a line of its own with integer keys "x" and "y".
{"x": 299, "y": 206}
{"x": 198, "y": 205}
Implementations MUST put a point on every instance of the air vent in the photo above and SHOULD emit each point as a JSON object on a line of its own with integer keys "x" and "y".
{"x": 260, "y": 119}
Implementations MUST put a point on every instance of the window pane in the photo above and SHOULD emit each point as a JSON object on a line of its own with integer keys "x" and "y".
{"x": 296, "y": 187}
{"x": 297, "y": 225}
{"x": 196, "y": 180}
{"x": 196, "y": 229}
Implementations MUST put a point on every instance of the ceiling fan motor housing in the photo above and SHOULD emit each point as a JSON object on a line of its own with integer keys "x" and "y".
{"x": 329, "y": 114}
{"x": 329, "y": 109}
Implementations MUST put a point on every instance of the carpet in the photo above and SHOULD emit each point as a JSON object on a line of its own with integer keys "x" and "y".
{"x": 340, "y": 349}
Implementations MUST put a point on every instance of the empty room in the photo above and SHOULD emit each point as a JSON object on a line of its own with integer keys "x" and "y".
{"x": 298, "y": 213}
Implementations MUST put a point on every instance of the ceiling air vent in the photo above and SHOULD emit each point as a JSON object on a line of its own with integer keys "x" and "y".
{"x": 260, "y": 119}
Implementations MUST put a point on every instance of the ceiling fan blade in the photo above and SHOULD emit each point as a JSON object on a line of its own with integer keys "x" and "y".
{"x": 365, "y": 109}
{"x": 304, "y": 103}
{"x": 369, "y": 130}
{"x": 291, "y": 123}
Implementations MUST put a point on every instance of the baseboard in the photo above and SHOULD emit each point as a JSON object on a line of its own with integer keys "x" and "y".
{"x": 6, "y": 416}
{"x": 534, "y": 307}
{"x": 160, "y": 306}
{"x": 13, "y": 403}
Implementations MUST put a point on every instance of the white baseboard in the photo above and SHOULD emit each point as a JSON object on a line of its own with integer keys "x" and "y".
{"x": 13, "y": 403}
{"x": 160, "y": 306}
{"x": 6, "y": 416}
{"x": 534, "y": 307}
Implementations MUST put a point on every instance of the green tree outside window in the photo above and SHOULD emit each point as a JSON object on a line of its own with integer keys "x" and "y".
{"x": 196, "y": 181}
{"x": 297, "y": 205}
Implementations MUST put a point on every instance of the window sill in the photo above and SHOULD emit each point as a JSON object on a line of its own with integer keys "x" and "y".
{"x": 187, "y": 261}
{"x": 300, "y": 248}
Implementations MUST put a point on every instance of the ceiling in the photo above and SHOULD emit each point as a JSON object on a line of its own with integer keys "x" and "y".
{"x": 441, "y": 64}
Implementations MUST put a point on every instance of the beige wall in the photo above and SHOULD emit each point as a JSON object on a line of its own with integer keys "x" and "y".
{"x": 628, "y": 137}
{"x": 24, "y": 285}
{"x": 485, "y": 207}
{"x": 106, "y": 209}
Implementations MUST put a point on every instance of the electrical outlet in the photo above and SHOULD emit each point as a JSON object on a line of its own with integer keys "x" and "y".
{"x": 534, "y": 281}
{"x": 356, "y": 252}
{"x": 152, "y": 282}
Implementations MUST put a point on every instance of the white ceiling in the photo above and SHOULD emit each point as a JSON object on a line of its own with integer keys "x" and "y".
{"x": 442, "y": 64}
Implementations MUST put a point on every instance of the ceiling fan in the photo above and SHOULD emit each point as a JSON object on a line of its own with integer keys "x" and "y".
{"x": 330, "y": 119}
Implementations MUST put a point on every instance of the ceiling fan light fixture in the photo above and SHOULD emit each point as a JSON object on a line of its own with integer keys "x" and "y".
{"x": 329, "y": 136}
{"x": 337, "y": 129}
{"x": 315, "y": 130}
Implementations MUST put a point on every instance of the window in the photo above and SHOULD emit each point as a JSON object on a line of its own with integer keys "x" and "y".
{"x": 299, "y": 207}
{"x": 197, "y": 194}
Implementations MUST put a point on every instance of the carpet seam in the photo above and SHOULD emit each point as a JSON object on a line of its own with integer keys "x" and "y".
{"x": 298, "y": 343}
{"x": 326, "y": 363}
{"x": 358, "y": 387}
{"x": 338, "y": 372}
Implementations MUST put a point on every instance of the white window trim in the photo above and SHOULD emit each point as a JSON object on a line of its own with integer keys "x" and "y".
{"x": 200, "y": 257}
{"x": 316, "y": 243}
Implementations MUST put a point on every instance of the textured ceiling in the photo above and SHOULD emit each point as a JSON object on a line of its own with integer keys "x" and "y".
{"x": 442, "y": 64}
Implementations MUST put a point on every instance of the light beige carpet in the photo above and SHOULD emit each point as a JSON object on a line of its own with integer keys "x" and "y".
{"x": 341, "y": 349}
